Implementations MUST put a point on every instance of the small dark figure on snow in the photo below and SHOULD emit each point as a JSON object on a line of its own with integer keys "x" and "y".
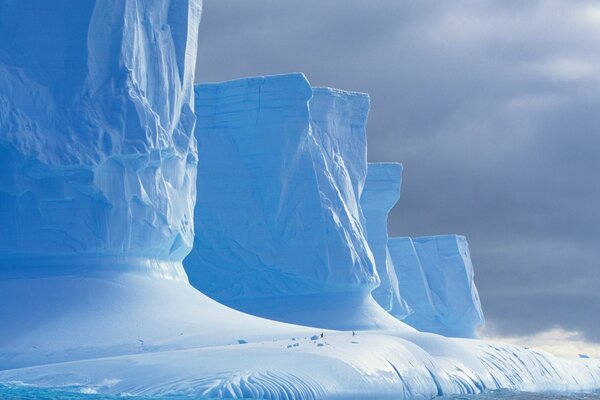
{"x": 321, "y": 335}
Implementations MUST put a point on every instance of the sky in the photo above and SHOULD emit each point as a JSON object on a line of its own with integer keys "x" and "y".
{"x": 493, "y": 107}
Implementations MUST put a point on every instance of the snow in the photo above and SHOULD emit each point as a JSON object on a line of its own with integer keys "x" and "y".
{"x": 97, "y": 190}
{"x": 379, "y": 195}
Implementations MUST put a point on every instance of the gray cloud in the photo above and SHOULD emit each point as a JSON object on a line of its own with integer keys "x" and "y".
{"x": 492, "y": 108}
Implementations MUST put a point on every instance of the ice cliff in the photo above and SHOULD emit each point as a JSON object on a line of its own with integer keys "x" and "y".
{"x": 97, "y": 180}
{"x": 280, "y": 230}
{"x": 97, "y": 150}
{"x": 379, "y": 195}
{"x": 438, "y": 284}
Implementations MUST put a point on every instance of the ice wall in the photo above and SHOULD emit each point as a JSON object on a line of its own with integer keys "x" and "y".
{"x": 97, "y": 152}
{"x": 414, "y": 285}
{"x": 380, "y": 194}
{"x": 279, "y": 227}
{"x": 438, "y": 284}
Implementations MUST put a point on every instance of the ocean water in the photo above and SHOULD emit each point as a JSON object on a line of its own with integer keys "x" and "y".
{"x": 505, "y": 394}
{"x": 20, "y": 392}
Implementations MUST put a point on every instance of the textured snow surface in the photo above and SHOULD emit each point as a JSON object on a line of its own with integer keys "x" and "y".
{"x": 380, "y": 193}
{"x": 438, "y": 284}
{"x": 279, "y": 227}
{"x": 97, "y": 150}
{"x": 97, "y": 180}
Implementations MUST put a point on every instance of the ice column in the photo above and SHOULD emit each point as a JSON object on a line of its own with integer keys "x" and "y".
{"x": 437, "y": 281}
{"x": 279, "y": 228}
{"x": 380, "y": 194}
{"x": 97, "y": 152}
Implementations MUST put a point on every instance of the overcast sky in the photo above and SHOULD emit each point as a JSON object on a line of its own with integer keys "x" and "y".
{"x": 492, "y": 107}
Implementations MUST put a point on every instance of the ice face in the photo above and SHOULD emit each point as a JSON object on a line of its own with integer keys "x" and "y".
{"x": 97, "y": 151}
{"x": 278, "y": 220}
{"x": 437, "y": 282}
{"x": 380, "y": 194}
{"x": 414, "y": 285}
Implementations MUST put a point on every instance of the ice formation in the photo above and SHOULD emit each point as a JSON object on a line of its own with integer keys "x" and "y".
{"x": 97, "y": 151}
{"x": 379, "y": 195}
{"x": 447, "y": 266}
{"x": 414, "y": 285}
{"x": 97, "y": 164}
{"x": 437, "y": 282}
{"x": 279, "y": 227}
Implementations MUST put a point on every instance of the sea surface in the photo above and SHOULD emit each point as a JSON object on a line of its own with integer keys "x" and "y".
{"x": 19, "y": 392}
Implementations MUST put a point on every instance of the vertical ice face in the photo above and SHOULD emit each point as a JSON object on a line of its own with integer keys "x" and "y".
{"x": 436, "y": 279}
{"x": 380, "y": 194}
{"x": 279, "y": 229}
{"x": 97, "y": 150}
{"x": 413, "y": 283}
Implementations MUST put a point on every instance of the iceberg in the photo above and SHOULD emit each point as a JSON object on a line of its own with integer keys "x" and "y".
{"x": 98, "y": 162}
{"x": 438, "y": 284}
{"x": 97, "y": 150}
{"x": 380, "y": 193}
{"x": 414, "y": 284}
{"x": 279, "y": 226}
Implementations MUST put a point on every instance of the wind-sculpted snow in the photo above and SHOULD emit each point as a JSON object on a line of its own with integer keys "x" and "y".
{"x": 97, "y": 150}
{"x": 340, "y": 366}
{"x": 380, "y": 194}
{"x": 279, "y": 227}
{"x": 437, "y": 283}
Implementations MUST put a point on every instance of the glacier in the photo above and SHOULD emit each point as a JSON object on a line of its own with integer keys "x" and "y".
{"x": 446, "y": 263}
{"x": 99, "y": 167}
{"x": 96, "y": 132}
{"x": 438, "y": 284}
{"x": 280, "y": 231}
{"x": 380, "y": 193}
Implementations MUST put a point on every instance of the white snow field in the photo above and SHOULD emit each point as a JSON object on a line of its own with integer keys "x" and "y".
{"x": 98, "y": 162}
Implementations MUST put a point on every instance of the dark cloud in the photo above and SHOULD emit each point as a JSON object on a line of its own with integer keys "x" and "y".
{"x": 491, "y": 106}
